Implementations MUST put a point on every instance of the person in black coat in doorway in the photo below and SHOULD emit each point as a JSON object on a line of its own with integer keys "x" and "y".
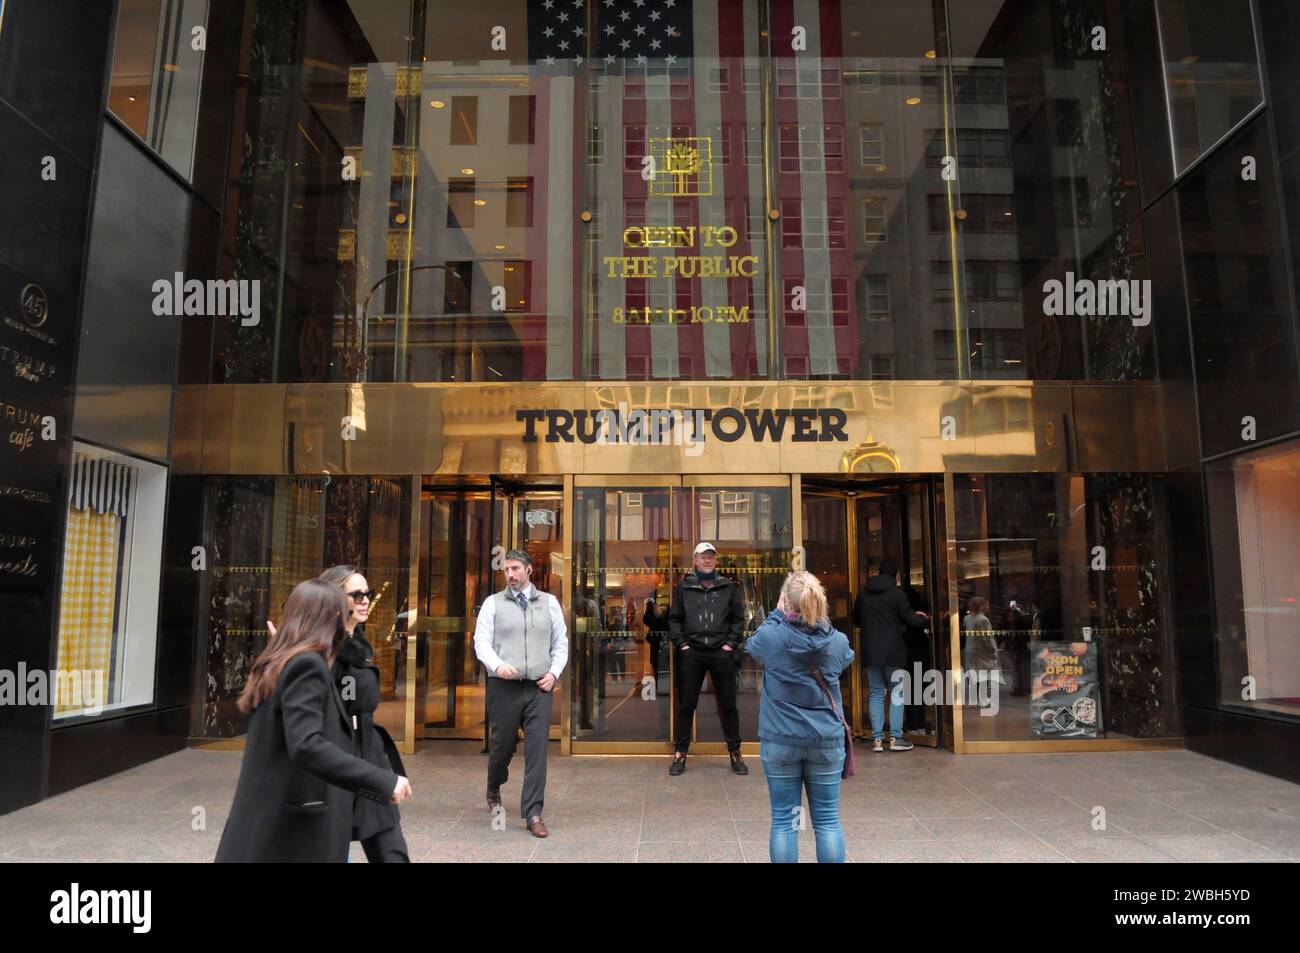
{"x": 883, "y": 615}
{"x": 377, "y": 826}
{"x": 655, "y": 619}
{"x": 293, "y": 802}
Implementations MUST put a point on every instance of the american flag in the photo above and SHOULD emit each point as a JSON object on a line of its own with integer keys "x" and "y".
{"x": 632, "y": 30}
{"x": 812, "y": 183}
{"x": 698, "y": 86}
{"x": 671, "y": 515}
{"x": 655, "y": 72}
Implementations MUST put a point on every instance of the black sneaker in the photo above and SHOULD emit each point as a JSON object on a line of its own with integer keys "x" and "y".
{"x": 737, "y": 763}
{"x": 678, "y": 765}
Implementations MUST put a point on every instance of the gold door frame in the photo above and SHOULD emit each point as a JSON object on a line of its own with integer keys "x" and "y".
{"x": 850, "y": 495}
{"x": 954, "y": 739}
{"x": 850, "y": 517}
{"x": 512, "y": 501}
{"x": 417, "y": 730}
{"x": 571, "y": 745}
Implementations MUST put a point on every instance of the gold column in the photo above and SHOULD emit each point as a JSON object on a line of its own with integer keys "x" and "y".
{"x": 566, "y": 677}
{"x": 412, "y": 614}
{"x": 963, "y": 371}
{"x": 954, "y": 609}
{"x": 851, "y": 558}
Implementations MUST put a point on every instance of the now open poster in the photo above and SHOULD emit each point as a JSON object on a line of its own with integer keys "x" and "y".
{"x": 1065, "y": 698}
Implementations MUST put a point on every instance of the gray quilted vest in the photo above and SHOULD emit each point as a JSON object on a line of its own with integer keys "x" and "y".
{"x": 523, "y": 639}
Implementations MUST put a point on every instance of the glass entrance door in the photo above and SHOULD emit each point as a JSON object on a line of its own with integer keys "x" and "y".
{"x": 828, "y": 553}
{"x": 464, "y": 536}
{"x": 896, "y": 522}
{"x": 624, "y": 569}
{"x": 849, "y": 528}
{"x": 458, "y": 530}
{"x": 632, "y": 543}
{"x": 752, "y": 528}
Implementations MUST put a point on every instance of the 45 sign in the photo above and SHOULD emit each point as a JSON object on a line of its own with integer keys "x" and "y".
{"x": 35, "y": 306}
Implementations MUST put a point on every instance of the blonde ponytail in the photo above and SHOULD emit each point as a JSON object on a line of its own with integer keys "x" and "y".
{"x": 804, "y": 592}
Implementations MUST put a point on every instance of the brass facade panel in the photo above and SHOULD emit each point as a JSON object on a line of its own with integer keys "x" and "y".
{"x": 457, "y": 429}
{"x": 133, "y": 418}
{"x": 1126, "y": 430}
{"x": 187, "y": 430}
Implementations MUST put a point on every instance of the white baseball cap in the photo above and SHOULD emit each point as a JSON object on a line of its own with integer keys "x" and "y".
{"x": 705, "y": 548}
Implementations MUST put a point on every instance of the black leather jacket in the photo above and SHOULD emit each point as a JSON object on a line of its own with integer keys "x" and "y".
{"x": 707, "y": 618}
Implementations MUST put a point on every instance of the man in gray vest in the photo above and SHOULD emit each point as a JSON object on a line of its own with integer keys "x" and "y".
{"x": 521, "y": 639}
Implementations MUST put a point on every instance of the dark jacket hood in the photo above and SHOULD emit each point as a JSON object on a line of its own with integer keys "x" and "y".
{"x": 880, "y": 583}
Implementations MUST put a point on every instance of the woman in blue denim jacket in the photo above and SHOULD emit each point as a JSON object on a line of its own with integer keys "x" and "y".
{"x": 801, "y": 737}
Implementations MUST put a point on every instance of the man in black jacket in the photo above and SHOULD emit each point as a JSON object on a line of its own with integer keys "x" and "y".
{"x": 707, "y": 625}
{"x": 883, "y": 615}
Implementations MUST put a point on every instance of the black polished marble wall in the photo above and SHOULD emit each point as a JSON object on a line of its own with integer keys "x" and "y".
{"x": 1136, "y": 669}
{"x": 53, "y": 58}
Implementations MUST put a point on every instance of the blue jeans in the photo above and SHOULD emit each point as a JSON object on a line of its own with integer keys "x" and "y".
{"x": 880, "y": 678}
{"x": 788, "y": 771}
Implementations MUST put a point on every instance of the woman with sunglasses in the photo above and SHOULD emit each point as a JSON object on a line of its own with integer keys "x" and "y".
{"x": 298, "y": 780}
{"x": 377, "y": 826}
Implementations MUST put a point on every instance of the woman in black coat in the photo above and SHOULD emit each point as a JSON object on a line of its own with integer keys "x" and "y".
{"x": 293, "y": 802}
{"x": 377, "y": 826}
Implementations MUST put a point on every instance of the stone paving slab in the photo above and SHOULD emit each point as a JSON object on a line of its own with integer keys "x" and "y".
{"x": 920, "y": 806}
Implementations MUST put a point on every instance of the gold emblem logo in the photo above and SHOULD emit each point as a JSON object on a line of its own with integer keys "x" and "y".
{"x": 682, "y": 167}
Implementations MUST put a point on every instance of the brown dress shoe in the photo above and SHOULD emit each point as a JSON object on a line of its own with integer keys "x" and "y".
{"x": 536, "y": 827}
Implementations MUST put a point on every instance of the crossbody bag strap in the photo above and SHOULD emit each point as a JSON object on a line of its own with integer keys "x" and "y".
{"x": 821, "y": 680}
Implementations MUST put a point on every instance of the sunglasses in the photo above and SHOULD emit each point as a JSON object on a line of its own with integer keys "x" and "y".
{"x": 367, "y": 594}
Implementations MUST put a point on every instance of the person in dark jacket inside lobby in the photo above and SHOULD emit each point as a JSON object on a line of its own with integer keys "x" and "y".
{"x": 883, "y": 616}
{"x": 377, "y": 826}
{"x": 706, "y": 623}
{"x": 293, "y": 801}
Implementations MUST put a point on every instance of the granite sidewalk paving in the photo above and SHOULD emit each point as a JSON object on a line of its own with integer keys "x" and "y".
{"x": 921, "y": 805}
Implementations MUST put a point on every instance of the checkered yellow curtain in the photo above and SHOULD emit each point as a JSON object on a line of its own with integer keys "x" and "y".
{"x": 86, "y": 611}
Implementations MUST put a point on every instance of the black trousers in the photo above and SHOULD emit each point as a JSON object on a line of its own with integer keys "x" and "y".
{"x": 512, "y": 704}
{"x": 386, "y": 847}
{"x": 655, "y": 642}
{"x": 723, "y": 669}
